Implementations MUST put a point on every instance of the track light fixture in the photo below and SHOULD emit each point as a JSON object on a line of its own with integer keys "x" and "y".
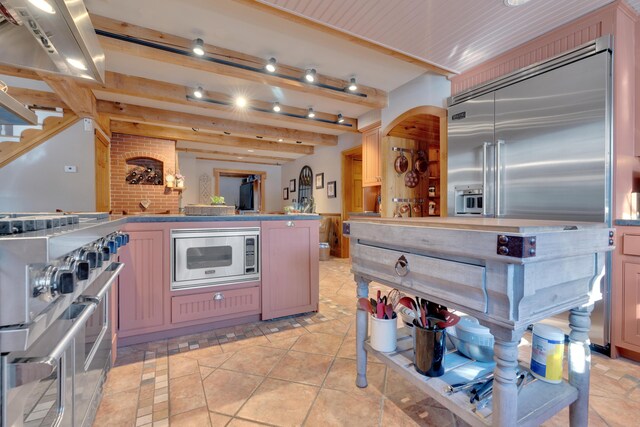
{"x": 276, "y": 107}
{"x": 241, "y": 102}
{"x": 271, "y": 65}
{"x": 340, "y": 118}
{"x": 310, "y": 75}
{"x": 310, "y": 113}
{"x": 198, "y": 47}
{"x": 280, "y": 139}
{"x": 198, "y": 92}
{"x": 352, "y": 85}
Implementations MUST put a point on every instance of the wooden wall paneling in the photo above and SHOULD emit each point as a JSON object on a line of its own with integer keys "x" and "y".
{"x": 142, "y": 285}
{"x": 580, "y": 31}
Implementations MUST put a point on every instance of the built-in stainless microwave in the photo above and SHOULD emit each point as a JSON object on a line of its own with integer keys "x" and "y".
{"x": 217, "y": 256}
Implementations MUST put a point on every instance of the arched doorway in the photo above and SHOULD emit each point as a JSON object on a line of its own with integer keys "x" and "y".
{"x": 419, "y": 135}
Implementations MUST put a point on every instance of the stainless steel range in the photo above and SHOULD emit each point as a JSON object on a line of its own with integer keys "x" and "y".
{"x": 55, "y": 333}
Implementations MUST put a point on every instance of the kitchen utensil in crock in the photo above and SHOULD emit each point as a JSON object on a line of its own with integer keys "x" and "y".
{"x": 411, "y": 178}
{"x": 401, "y": 163}
{"x": 421, "y": 165}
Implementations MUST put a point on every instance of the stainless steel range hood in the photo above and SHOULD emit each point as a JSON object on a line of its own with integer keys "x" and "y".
{"x": 50, "y": 35}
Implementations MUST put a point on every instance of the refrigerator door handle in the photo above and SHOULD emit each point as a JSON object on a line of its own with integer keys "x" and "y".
{"x": 498, "y": 176}
{"x": 485, "y": 187}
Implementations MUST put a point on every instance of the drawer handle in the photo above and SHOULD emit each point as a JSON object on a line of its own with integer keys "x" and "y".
{"x": 218, "y": 296}
{"x": 290, "y": 224}
{"x": 402, "y": 266}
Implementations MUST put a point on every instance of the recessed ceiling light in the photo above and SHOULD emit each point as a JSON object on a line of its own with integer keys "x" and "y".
{"x": 43, "y": 5}
{"x": 352, "y": 85}
{"x": 276, "y": 107}
{"x": 241, "y": 102}
{"x": 515, "y": 2}
{"x": 271, "y": 65}
{"x": 240, "y": 158}
{"x": 310, "y": 113}
{"x": 251, "y": 151}
{"x": 198, "y": 47}
{"x": 198, "y": 92}
{"x": 340, "y": 118}
{"x": 280, "y": 139}
{"x": 259, "y": 137}
{"x": 76, "y": 63}
{"x": 227, "y": 133}
{"x": 298, "y": 142}
{"x": 310, "y": 75}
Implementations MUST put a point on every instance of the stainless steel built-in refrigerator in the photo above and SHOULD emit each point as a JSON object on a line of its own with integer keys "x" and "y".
{"x": 537, "y": 144}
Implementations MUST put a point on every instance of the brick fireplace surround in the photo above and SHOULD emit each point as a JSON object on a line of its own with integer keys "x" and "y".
{"x": 127, "y": 197}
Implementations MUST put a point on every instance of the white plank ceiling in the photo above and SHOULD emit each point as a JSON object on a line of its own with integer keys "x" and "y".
{"x": 455, "y": 34}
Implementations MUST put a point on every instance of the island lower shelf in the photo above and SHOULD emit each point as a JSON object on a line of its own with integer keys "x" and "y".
{"x": 537, "y": 401}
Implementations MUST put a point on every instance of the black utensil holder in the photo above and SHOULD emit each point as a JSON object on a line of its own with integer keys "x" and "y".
{"x": 429, "y": 347}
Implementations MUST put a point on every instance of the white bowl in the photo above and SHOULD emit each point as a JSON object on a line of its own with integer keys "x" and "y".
{"x": 473, "y": 350}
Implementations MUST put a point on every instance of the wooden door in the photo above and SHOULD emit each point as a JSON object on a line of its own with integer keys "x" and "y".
{"x": 371, "y": 157}
{"x": 141, "y": 286}
{"x": 103, "y": 181}
{"x": 356, "y": 186}
{"x": 631, "y": 308}
{"x": 290, "y": 276}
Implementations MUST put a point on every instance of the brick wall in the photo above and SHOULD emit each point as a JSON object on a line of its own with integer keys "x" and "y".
{"x": 127, "y": 197}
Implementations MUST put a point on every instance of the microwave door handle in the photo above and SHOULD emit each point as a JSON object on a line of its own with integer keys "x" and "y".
{"x": 31, "y": 369}
{"x": 498, "y": 176}
{"x": 485, "y": 189}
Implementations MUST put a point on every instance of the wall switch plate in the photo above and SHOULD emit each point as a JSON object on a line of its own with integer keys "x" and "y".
{"x": 88, "y": 124}
{"x": 71, "y": 169}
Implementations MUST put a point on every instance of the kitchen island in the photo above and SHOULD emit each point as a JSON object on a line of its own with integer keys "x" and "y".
{"x": 508, "y": 274}
{"x": 206, "y": 281}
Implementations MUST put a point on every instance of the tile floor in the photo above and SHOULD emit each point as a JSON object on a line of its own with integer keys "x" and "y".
{"x": 301, "y": 371}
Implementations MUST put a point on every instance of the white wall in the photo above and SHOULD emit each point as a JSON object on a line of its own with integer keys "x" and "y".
{"x": 427, "y": 89}
{"x": 36, "y": 181}
{"x": 327, "y": 160}
{"x": 192, "y": 169}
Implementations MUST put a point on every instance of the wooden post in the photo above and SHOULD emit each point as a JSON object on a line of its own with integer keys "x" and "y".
{"x": 505, "y": 389}
{"x": 580, "y": 363}
{"x": 362, "y": 324}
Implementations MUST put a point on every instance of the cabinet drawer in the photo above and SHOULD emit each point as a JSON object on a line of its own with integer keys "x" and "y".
{"x": 186, "y": 308}
{"x": 445, "y": 280}
{"x": 631, "y": 244}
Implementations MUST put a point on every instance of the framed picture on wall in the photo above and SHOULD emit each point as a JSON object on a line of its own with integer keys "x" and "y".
{"x": 320, "y": 180}
{"x": 285, "y": 193}
{"x": 292, "y": 186}
{"x": 331, "y": 189}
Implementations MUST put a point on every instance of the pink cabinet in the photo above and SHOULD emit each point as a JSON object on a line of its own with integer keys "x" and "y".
{"x": 290, "y": 278}
{"x": 141, "y": 290}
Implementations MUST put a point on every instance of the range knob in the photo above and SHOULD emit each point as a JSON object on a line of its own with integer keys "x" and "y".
{"x": 90, "y": 255}
{"x": 77, "y": 266}
{"x": 65, "y": 282}
{"x": 97, "y": 248}
{"x": 112, "y": 245}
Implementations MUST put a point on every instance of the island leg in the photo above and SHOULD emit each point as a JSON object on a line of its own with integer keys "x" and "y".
{"x": 580, "y": 363}
{"x": 362, "y": 325}
{"x": 505, "y": 389}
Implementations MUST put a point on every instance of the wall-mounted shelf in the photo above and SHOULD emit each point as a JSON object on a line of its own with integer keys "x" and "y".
{"x": 407, "y": 200}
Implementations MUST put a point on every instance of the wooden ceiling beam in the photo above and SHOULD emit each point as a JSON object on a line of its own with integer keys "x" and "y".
{"x": 344, "y": 35}
{"x": 135, "y": 113}
{"x": 244, "y": 155}
{"x": 36, "y": 97}
{"x": 162, "y": 132}
{"x": 14, "y": 71}
{"x": 286, "y": 77}
{"x": 253, "y": 162}
{"x": 168, "y": 92}
{"x": 78, "y": 98}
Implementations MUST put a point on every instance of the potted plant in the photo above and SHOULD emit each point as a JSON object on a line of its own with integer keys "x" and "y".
{"x": 217, "y": 200}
